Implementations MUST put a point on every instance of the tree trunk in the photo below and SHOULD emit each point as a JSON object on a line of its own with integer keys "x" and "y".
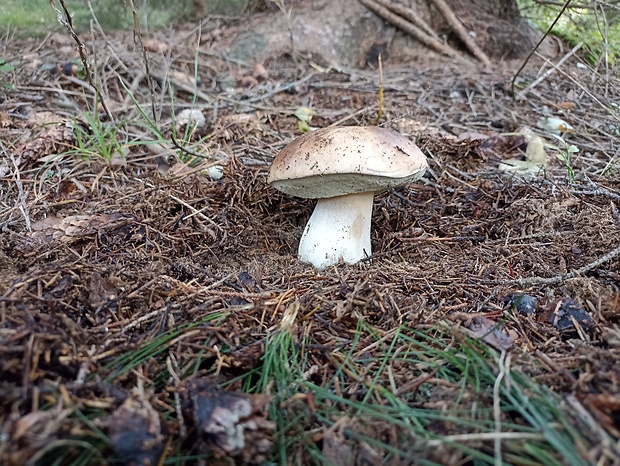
{"x": 345, "y": 32}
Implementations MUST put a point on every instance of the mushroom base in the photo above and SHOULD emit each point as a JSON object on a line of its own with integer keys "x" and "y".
{"x": 338, "y": 229}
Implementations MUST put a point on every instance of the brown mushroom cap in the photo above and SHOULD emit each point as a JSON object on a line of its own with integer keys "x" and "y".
{"x": 337, "y": 161}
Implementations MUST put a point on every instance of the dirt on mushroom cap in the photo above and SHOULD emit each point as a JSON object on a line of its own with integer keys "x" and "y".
{"x": 321, "y": 164}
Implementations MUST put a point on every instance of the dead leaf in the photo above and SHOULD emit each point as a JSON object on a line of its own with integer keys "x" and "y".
{"x": 260, "y": 73}
{"x": 231, "y": 423}
{"x": 490, "y": 332}
{"x": 566, "y": 105}
{"x": 103, "y": 292}
{"x": 336, "y": 449}
{"x": 156, "y": 46}
{"x": 137, "y": 433}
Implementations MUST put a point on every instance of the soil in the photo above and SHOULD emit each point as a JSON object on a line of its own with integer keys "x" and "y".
{"x": 99, "y": 257}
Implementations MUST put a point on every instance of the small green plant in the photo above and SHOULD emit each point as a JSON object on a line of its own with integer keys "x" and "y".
{"x": 5, "y": 68}
{"x": 565, "y": 153}
{"x": 598, "y": 28}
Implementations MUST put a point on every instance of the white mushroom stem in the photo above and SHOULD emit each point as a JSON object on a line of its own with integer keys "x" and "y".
{"x": 338, "y": 229}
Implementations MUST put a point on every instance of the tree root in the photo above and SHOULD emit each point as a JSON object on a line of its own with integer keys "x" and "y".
{"x": 410, "y": 22}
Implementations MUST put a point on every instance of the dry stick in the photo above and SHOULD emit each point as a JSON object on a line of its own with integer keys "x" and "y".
{"x": 567, "y": 276}
{"x": 549, "y": 72}
{"x": 412, "y": 30}
{"x": 445, "y": 238}
{"x": 350, "y": 115}
{"x": 497, "y": 412}
{"x": 23, "y": 205}
{"x": 584, "y": 416}
{"x": 460, "y": 30}
{"x": 547, "y": 32}
{"x": 145, "y": 57}
{"x": 568, "y": 377}
{"x": 380, "y": 109}
{"x": 410, "y": 15}
{"x": 580, "y": 86}
{"x": 65, "y": 19}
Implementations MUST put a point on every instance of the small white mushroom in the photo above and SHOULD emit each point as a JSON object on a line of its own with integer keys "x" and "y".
{"x": 343, "y": 168}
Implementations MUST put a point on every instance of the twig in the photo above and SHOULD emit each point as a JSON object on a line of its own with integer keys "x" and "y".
{"x": 559, "y": 278}
{"x": 198, "y": 213}
{"x": 595, "y": 427}
{"x": 446, "y": 238}
{"x": 380, "y": 109}
{"x": 412, "y": 30}
{"x": 549, "y": 72}
{"x": 23, "y": 205}
{"x": 568, "y": 377}
{"x": 598, "y": 191}
{"x": 65, "y": 19}
{"x": 547, "y": 32}
{"x": 349, "y": 116}
{"x": 461, "y": 32}
{"x": 583, "y": 88}
{"x": 138, "y": 34}
{"x": 497, "y": 412}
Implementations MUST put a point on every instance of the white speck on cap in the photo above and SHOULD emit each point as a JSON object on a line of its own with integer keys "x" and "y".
{"x": 350, "y": 159}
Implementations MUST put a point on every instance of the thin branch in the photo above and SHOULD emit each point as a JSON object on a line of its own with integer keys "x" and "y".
{"x": 527, "y": 59}
{"x": 549, "y": 72}
{"x": 138, "y": 34}
{"x": 64, "y": 18}
{"x": 559, "y": 278}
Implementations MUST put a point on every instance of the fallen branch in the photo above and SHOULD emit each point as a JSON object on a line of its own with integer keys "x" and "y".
{"x": 549, "y": 72}
{"x": 558, "y": 278}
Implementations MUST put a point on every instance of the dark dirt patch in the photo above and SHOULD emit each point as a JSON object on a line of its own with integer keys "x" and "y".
{"x": 98, "y": 260}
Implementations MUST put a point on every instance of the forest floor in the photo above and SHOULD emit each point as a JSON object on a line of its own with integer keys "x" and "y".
{"x": 152, "y": 312}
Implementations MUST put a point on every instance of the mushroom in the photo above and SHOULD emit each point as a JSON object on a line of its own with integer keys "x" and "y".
{"x": 343, "y": 168}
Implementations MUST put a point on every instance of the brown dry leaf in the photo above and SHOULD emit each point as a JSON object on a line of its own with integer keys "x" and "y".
{"x": 137, "y": 433}
{"x": 184, "y": 78}
{"x": 260, "y": 73}
{"x": 31, "y": 433}
{"x": 490, "y": 332}
{"x": 566, "y": 105}
{"x": 336, "y": 449}
{"x": 103, "y": 292}
{"x": 156, "y": 46}
{"x": 5, "y": 120}
{"x": 234, "y": 423}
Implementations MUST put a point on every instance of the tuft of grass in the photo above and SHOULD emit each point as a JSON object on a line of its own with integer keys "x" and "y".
{"x": 99, "y": 139}
{"x": 361, "y": 401}
{"x": 152, "y": 350}
{"x": 28, "y": 17}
